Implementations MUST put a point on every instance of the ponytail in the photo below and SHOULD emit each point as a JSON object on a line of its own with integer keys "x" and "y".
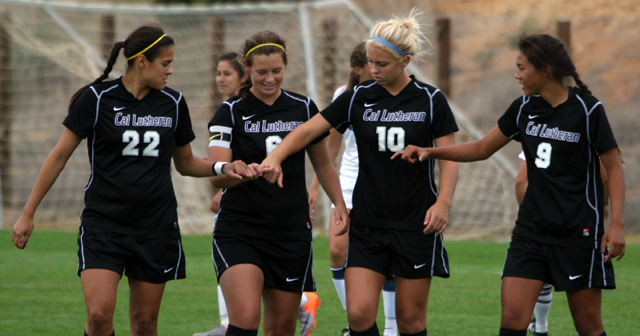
{"x": 113, "y": 56}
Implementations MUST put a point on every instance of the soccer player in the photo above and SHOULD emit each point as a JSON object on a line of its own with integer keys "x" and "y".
{"x": 559, "y": 237}
{"x": 360, "y": 72}
{"x": 134, "y": 126}
{"x": 230, "y": 77}
{"x": 262, "y": 236}
{"x": 398, "y": 215}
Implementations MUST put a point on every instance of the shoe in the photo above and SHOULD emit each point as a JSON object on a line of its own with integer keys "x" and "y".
{"x": 532, "y": 329}
{"x": 217, "y": 331}
{"x": 346, "y": 332}
{"x": 307, "y": 314}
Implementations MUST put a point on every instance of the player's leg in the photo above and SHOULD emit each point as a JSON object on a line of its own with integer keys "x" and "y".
{"x": 144, "y": 306}
{"x": 338, "y": 254}
{"x": 280, "y": 312}
{"x": 389, "y": 304}
{"x": 540, "y": 323}
{"x": 363, "y": 288}
{"x": 99, "y": 287}
{"x": 518, "y": 296}
{"x": 585, "y": 306}
{"x": 411, "y": 304}
{"x": 242, "y": 286}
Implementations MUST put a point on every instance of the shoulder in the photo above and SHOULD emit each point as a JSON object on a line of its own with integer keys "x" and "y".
{"x": 585, "y": 98}
{"x": 108, "y": 86}
{"x": 424, "y": 86}
{"x": 171, "y": 93}
{"x": 296, "y": 97}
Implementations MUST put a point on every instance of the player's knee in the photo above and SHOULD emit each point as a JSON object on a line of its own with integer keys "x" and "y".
{"x": 99, "y": 318}
{"x": 514, "y": 318}
{"x": 144, "y": 324}
{"x": 337, "y": 254}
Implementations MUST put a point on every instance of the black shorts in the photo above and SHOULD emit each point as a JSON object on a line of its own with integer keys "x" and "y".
{"x": 150, "y": 260}
{"x": 566, "y": 268}
{"x": 286, "y": 264}
{"x": 408, "y": 254}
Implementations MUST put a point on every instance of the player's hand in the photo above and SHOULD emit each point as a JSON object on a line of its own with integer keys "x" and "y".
{"x": 21, "y": 231}
{"x": 614, "y": 237}
{"x": 271, "y": 170}
{"x": 411, "y": 153}
{"x": 215, "y": 203}
{"x": 241, "y": 171}
{"x": 436, "y": 219}
{"x": 342, "y": 220}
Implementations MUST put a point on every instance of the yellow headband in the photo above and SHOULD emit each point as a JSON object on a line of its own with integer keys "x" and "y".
{"x": 147, "y": 48}
{"x": 263, "y": 45}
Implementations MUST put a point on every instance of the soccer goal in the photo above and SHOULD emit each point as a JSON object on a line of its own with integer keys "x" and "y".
{"x": 48, "y": 50}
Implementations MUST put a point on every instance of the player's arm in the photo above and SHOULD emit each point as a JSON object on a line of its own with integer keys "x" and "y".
{"x": 614, "y": 235}
{"x": 189, "y": 165}
{"x": 51, "y": 169}
{"x": 292, "y": 143}
{"x": 521, "y": 182}
{"x": 328, "y": 177}
{"x": 436, "y": 218}
{"x": 467, "y": 152}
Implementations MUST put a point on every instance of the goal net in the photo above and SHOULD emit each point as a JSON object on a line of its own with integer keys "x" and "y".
{"x": 49, "y": 50}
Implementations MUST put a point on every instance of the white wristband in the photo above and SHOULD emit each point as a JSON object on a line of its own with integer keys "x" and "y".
{"x": 218, "y": 167}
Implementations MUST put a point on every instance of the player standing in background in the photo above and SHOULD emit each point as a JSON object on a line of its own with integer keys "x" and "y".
{"x": 559, "y": 237}
{"x": 398, "y": 216}
{"x": 360, "y": 72}
{"x": 134, "y": 125}
{"x": 230, "y": 77}
{"x": 262, "y": 247}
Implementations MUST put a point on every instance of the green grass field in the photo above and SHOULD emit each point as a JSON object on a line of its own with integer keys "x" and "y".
{"x": 40, "y": 293}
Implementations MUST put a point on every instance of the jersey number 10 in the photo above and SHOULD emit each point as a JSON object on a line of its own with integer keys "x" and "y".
{"x": 390, "y": 139}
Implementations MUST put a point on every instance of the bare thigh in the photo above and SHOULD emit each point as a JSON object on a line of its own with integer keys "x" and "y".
{"x": 585, "y": 306}
{"x": 280, "y": 312}
{"x": 518, "y": 298}
{"x": 363, "y": 288}
{"x": 242, "y": 287}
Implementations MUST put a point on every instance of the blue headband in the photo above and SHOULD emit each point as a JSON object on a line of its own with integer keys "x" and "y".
{"x": 389, "y": 45}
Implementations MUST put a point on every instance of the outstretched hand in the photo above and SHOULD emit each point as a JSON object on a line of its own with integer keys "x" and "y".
{"x": 412, "y": 153}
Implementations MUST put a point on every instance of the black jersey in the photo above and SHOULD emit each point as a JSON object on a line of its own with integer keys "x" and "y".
{"x": 564, "y": 198}
{"x": 131, "y": 144}
{"x": 392, "y": 193}
{"x": 252, "y": 129}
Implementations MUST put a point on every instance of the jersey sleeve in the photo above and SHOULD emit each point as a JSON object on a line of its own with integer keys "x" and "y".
{"x": 443, "y": 122}
{"x": 508, "y": 122}
{"x": 337, "y": 113}
{"x": 313, "y": 110}
{"x": 82, "y": 114}
{"x": 184, "y": 129}
{"x": 220, "y": 127}
{"x": 601, "y": 135}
